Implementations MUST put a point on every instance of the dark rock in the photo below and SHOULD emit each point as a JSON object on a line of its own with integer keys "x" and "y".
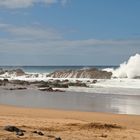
{"x": 40, "y": 133}
{"x": 19, "y": 133}
{"x": 18, "y": 72}
{"x": 12, "y": 129}
{"x": 34, "y": 132}
{"x": 50, "y": 89}
{"x": 65, "y": 81}
{"x": 78, "y": 84}
{"x": 53, "y": 84}
{"x": 56, "y": 81}
{"x": 58, "y": 138}
{"x": 17, "y": 88}
{"x": 59, "y": 85}
{"x": 42, "y": 84}
{"x": 5, "y": 80}
{"x": 94, "y": 81}
{"x": 104, "y": 135}
{"x": 19, "y": 82}
{"x": 137, "y": 77}
{"x": 36, "y": 75}
{"x": 1, "y": 82}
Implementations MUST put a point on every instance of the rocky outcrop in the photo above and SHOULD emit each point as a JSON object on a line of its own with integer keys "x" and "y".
{"x": 11, "y": 128}
{"x": 19, "y": 82}
{"x": 18, "y": 131}
{"x": 77, "y": 84}
{"x": 88, "y": 73}
{"x": 16, "y": 88}
{"x": 53, "y": 84}
{"x": 4, "y": 82}
{"x": 17, "y": 72}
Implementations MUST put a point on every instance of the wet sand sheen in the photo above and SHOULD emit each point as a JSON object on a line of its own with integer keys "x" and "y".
{"x": 27, "y": 110}
{"x": 92, "y": 102}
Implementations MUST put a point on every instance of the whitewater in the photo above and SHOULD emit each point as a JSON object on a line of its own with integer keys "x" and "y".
{"x": 125, "y": 79}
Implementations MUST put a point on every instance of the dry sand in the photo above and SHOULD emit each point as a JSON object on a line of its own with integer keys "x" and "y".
{"x": 69, "y": 125}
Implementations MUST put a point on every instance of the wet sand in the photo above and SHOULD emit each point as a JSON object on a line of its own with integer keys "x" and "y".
{"x": 69, "y": 125}
{"x": 90, "y": 102}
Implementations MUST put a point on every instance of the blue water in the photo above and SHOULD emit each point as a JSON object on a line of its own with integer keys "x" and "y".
{"x": 48, "y": 69}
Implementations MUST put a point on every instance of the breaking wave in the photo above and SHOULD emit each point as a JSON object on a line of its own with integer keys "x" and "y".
{"x": 129, "y": 69}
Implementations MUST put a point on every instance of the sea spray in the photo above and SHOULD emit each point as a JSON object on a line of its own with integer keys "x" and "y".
{"x": 130, "y": 69}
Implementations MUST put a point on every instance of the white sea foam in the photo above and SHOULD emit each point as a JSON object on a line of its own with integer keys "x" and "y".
{"x": 122, "y": 86}
{"x": 123, "y": 80}
{"x": 130, "y": 69}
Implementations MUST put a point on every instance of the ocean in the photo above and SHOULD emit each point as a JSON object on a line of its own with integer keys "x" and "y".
{"x": 118, "y": 94}
{"x": 125, "y": 79}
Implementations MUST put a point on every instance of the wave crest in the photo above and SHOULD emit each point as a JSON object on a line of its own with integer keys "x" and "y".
{"x": 129, "y": 69}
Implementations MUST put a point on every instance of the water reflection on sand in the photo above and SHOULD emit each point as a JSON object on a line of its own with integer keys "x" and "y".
{"x": 120, "y": 104}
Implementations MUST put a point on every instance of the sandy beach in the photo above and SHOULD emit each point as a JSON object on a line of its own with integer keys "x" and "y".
{"x": 68, "y": 125}
{"x": 69, "y": 70}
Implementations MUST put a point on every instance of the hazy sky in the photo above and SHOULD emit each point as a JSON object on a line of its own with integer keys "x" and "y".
{"x": 68, "y": 32}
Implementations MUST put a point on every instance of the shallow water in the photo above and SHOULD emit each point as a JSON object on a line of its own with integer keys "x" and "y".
{"x": 95, "y": 102}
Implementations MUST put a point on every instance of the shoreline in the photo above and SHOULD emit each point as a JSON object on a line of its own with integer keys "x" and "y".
{"x": 68, "y": 124}
{"x": 30, "y": 111}
{"x": 10, "y": 110}
{"x": 34, "y": 98}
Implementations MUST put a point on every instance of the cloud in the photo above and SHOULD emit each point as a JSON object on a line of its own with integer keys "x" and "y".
{"x": 35, "y": 39}
{"x": 31, "y": 32}
{"x": 13, "y": 4}
{"x": 64, "y": 2}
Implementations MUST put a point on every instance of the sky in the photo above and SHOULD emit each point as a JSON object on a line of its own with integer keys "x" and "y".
{"x": 68, "y": 32}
